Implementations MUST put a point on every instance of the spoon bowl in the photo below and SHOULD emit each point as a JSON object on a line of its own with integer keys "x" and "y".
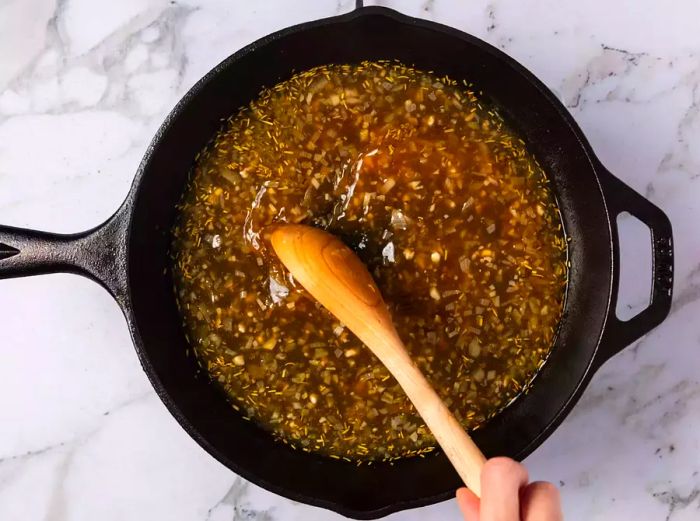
{"x": 337, "y": 278}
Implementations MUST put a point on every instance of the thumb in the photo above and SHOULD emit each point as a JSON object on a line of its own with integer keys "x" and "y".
{"x": 468, "y": 504}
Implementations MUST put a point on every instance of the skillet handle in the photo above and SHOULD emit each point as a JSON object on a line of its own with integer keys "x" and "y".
{"x": 99, "y": 254}
{"x": 620, "y": 333}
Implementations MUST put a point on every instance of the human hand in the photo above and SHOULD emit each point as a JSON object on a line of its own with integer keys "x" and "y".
{"x": 507, "y": 496}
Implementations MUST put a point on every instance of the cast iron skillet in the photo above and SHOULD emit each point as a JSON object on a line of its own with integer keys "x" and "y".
{"x": 128, "y": 255}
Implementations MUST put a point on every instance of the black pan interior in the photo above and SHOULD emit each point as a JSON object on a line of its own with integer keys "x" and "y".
{"x": 373, "y": 33}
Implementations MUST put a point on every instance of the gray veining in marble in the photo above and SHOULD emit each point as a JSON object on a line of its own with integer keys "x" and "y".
{"x": 83, "y": 86}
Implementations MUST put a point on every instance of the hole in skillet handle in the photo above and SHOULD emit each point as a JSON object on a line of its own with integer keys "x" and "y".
{"x": 634, "y": 283}
{"x": 620, "y": 198}
{"x": 7, "y": 251}
{"x": 99, "y": 254}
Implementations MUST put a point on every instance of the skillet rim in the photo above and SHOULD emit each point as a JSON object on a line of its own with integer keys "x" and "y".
{"x": 129, "y": 208}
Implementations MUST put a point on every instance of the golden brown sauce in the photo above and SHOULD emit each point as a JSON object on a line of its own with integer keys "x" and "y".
{"x": 445, "y": 205}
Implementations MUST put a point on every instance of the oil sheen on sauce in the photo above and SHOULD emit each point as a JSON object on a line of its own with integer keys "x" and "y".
{"x": 446, "y": 206}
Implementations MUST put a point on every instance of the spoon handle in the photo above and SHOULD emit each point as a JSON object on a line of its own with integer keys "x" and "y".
{"x": 459, "y": 448}
{"x": 334, "y": 276}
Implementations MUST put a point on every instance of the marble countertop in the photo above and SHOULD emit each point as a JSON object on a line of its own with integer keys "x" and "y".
{"x": 84, "y": 84}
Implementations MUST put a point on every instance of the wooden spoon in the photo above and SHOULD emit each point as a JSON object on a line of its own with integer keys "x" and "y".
{"x": 334, "y": 276}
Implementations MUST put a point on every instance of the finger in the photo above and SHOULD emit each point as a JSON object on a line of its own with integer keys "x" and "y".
{"x": 468, "y": 504}
{"x": 501, "y": 480}
{"x": 540, "y": 501}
